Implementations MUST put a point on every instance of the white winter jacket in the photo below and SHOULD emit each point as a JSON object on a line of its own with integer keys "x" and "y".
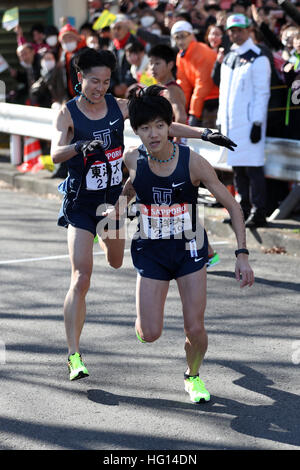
{"x": 243, "y": 100}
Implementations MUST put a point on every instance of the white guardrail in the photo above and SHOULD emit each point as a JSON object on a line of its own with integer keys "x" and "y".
{"x": 282, "y": 155}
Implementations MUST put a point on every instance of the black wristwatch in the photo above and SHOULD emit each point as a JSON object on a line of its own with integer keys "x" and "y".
{"x": 205, "y": 133}
{"x": 241, "y": 250}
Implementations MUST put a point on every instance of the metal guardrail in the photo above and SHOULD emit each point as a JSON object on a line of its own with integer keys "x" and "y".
{"x": 282, "y": 155}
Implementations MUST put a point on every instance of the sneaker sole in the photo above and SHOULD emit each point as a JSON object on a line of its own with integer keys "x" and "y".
{"x": 80, "y": 375}
{"x": 202, "y": 400}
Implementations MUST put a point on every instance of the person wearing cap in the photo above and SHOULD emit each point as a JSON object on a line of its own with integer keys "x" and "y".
{"x": 71, "y": 42}
{"x": 195, "y": 61}
{"x": 242, "y": 114}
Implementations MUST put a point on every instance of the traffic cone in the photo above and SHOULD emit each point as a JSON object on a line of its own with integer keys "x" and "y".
{"x": 44, "y": 163}
{"x": 32, "y": 151}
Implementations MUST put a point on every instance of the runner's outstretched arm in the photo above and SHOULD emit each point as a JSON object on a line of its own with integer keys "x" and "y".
{"x": 202, "y": 171}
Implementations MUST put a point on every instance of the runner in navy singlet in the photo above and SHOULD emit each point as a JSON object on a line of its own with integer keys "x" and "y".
{"x": 88, "y": 135}
{"x": 166, "y": 177}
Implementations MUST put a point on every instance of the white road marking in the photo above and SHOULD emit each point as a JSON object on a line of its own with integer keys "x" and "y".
{"x": 44, "y": 258}
{"x": 47, "y": 258}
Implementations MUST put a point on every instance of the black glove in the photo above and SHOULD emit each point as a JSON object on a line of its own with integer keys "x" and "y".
{"x": 88, "y": 146}
{"x": 255, "y": 134}
{"x": 217, "y": 138}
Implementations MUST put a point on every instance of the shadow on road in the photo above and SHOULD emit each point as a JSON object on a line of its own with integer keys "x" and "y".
{"x": 259, "y": 280}
{"x": 278, "y": 422}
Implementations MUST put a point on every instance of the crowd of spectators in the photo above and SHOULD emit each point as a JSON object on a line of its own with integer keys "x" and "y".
{"x": 151, "y": 47}
{"x": 47, "y": 76}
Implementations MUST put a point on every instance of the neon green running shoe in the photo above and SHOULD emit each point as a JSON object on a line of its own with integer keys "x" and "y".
{"x": 76, "y": 367}
{"x": 194, "y": 386}
{"x": 213, "y": 260}
{"x": 139, "y": 338}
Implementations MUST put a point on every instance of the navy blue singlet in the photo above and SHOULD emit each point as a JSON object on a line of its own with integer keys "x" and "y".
{"x": 169, "y": 242}
{"x": 86, "y": 184}
{"x": 173, "y": 191}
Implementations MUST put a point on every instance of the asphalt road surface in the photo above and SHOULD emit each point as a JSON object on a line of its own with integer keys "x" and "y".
{"x": 134, "y": 398}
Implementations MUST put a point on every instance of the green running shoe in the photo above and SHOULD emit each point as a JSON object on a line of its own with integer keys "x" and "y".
{"x": 213, "y": 260}
{"x": 139, "y": 338}
{"x": 76, "y": 367}
{"x": 194, "y": 386}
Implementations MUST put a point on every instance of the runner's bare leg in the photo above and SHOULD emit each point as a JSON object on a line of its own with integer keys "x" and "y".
{"x": 80, "y": 244}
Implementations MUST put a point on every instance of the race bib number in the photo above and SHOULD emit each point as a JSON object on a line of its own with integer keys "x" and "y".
{"x": 97, "y": 177}
{"x": 162, "y": 221}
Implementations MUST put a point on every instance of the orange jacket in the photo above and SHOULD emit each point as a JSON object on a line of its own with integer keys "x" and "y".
{"x": 194, "y": 70}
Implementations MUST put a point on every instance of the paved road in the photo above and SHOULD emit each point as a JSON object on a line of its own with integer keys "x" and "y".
{"x": 134, "y": 397}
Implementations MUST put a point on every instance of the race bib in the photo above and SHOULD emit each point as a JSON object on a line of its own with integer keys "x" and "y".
{"x": 157, "y": 222}
{"x": 97, "y": 177}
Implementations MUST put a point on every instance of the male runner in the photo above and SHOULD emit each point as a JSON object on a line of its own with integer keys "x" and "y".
{"x": 162, "y": 62}
{"x": 88, "y": 134}
{"x": 168, "y": 244}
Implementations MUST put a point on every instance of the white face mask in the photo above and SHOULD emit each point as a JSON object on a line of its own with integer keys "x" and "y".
{"x": 92, "y": 45}
{"x": 26, "y": 66}
{"x": 69, "y": 46}
{"x": 147, "y": 21}
{"x": 51, "y": 41}
{"x": 156, "y": 31}
{"x": 48, "y": 65}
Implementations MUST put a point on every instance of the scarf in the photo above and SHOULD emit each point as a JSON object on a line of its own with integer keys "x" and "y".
{"x": 120, "y": 44}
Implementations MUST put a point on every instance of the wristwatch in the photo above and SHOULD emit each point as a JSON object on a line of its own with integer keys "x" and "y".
{"x": 241, "y": 250}
{"x": 205, "y": 133}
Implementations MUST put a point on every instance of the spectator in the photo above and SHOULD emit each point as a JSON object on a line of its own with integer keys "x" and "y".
{"x": 49, "y": 89}
{"x": 216, "y": 38}
{"x": 291, "y": 71}
{"x": 244, "y": 96}
{"x": 95, "y": 8}
{"x": 71, "y": 43}
{"x": 241, "y": 6}
{"x": 195, "y": 62}
{"x": 30, "y": 63}
{"x": 139, "y": 61}
{"x": 86, "y": 29}
{"x": 93, "y": 41}
{"x": 38, "y": 37}
{"x": 162, "y": 64}
{"x": 121, "y": 79}
{"x": 287, "y": 37}
{"x": 51, "y": 38}
{"x": 149, "y": 36}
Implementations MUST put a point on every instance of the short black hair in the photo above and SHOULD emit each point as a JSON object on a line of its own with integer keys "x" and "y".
{"x": 147, "y": 104}
{"x": 37, "y": 27}
{"x": 89, "y": 58}
{"x": 163, "y": 51}
{"x": 135, "y": 47}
